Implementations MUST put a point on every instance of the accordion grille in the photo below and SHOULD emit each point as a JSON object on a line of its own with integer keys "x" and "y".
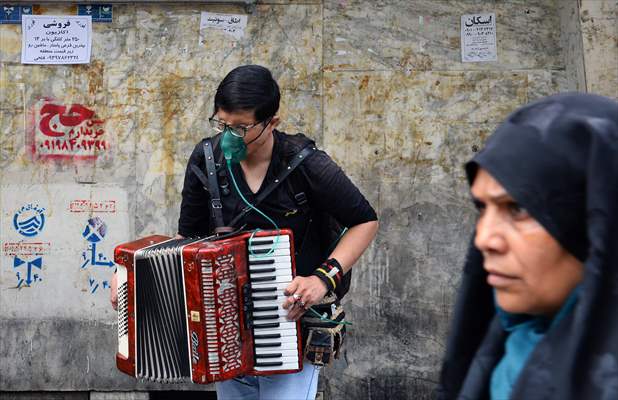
{"x": 161, "y": 331}
{"x": 123, "y": 315}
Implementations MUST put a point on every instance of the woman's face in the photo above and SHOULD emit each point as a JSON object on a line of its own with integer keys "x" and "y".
{"x": 529, "y": 270}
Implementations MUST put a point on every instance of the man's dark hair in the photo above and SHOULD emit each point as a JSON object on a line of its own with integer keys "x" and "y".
{"x": 249, "y": 88}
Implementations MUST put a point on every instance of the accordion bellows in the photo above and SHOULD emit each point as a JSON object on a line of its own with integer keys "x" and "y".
{"x": 206, "y": 311}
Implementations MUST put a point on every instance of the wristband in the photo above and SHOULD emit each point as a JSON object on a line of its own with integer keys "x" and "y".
{"x": 330, "y": 272}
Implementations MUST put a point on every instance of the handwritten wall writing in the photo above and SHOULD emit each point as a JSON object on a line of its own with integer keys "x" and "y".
{"x": 106, "y": 206}
{"x": 66, "y": 131}
{"x": 26, "y": 248}
{"x": 56, "y": 39}
{"x": 94, "y": 232}
{"x": 478, "y": 38}
{"x": 231, "y": 24}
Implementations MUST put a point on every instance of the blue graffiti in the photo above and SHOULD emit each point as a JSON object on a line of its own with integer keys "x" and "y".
{"x": 94, "y": 284}
{"x": 94, "y": 259}
{"x": 30, "y": 277}
{"x": 29, "y": 220}
{"x": 94, "y": 232}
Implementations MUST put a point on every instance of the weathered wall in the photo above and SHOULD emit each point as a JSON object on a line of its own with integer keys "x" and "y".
{"x": 379, "y": 84}
{"x": 599, "y": 31}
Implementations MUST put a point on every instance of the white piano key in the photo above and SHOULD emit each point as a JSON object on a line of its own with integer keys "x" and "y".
{"x": 287, "y": 342}
{"x": 277, "y": 256}
{"x": 278, "y": 293}
{"x": 281, "y": 238}
{"x": 277, "y": 262}
{"x": 277, "y": 278}
{"x": 268, "y": 270}
{"x": 281, "y": 346}
{"x": 284, "y": 332}
{"x": 281, "y": 244}
{"x": 280, "y": 319}
{"x": 285, "y": 359}
{"x": 258, "y": 285}
{"x": 284, "y": 353}
{"x": 279, "y": 311}
{"x": 282, "y": 325}
{"x": 279, "y": 368}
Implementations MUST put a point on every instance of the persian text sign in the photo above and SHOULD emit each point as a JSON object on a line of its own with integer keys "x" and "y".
{"x": 478, "y": 38}
{"x": 56, "y": 39}
{"x": 232, "y": 24}
{"x": 66, "y": 131}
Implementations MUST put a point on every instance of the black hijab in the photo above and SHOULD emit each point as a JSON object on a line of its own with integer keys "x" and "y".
{"x": 558, "y": 158}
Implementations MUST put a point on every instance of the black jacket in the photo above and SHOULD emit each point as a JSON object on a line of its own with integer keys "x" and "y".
{"x": 326, "y": 186}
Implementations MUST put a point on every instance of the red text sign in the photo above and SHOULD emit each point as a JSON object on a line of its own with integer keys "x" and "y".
{"x": 66, "y": 131}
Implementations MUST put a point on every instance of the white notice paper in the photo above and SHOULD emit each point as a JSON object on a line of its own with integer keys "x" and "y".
{"x": 48, "y": 39}
{"x": 232, "y": 24}
{"x": 478, "y": 38}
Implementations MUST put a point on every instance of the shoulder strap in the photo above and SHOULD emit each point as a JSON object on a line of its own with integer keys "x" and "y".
{"x": 296, "y": 161}
{"x": 213, "y": 185}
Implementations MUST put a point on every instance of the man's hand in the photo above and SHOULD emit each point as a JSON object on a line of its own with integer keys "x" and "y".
{"x": 304, "y": 292}
{"x": 113, "y": 295}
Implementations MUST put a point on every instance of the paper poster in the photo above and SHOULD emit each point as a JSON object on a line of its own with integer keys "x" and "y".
{"x": 48, "y": 39}
{"x": 232, "y": 24}
{"x": 478, "y": 38}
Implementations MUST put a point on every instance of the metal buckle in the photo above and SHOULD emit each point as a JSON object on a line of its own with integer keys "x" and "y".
{"x": 216, "y": 203}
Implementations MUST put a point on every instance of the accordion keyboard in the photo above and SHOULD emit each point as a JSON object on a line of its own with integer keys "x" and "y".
{"x": 275, "y": 338}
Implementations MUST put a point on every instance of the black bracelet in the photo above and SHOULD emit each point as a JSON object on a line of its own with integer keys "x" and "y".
{"x": 330, "y": 272}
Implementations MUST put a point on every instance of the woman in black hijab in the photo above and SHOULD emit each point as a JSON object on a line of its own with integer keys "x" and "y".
{"x": 537, "y": 312}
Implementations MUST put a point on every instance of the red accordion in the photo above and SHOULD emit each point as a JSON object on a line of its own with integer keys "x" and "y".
{"x": 206, "y": 310}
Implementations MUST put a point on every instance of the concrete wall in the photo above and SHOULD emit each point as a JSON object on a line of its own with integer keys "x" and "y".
{"x": 381, "y": 87}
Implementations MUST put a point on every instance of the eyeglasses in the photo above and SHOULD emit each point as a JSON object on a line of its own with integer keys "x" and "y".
{"x": 240, "y": 131}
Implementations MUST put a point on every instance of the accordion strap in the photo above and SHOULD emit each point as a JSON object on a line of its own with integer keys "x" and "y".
{"x": 213, "y": 185}
{"x": 296, "y": 161}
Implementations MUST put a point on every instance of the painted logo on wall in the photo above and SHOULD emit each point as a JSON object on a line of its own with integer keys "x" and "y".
{"x": 64, "y": 131}
{"x": 94, "y": 233}
{"x": 29, "y": 220}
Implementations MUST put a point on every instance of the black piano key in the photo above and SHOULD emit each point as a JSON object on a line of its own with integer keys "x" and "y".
{"x": 261, "y": 251}
{"x": 262, "y": 298}
{"x": 272, "y": 344}
{"x": 264, "y": 279}
{"x": 269, "y": 336}
{"x": 268, "y": 364}
{"x": 273, "y": 355}
{"x": 262, "y": 262}
{"x": 262, "y": 317}
{"x": 263, "y": 289}
{"x": 260, "y": 242}
{"x": 266, "y": 326}
{"x": 266, "y": 308}
{"x": 262, "y": 270}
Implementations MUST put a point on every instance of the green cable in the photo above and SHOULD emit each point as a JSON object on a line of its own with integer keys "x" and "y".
{"x": 276, "y": 242}
{"x": 325, "y": 319}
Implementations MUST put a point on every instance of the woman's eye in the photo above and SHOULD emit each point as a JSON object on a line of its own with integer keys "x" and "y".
{"x": 517, "y": 211}
{"x": 480, "y": 206}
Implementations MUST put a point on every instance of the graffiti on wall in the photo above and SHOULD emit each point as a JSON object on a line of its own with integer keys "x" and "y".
{"x": 60, "y": 131}
{"x": 28, "y": 221}
{"x": 106, "y": 206}
{"x": 93, "y": 259}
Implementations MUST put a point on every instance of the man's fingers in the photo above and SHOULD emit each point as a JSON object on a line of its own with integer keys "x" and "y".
{"x": 292, "y": 287}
